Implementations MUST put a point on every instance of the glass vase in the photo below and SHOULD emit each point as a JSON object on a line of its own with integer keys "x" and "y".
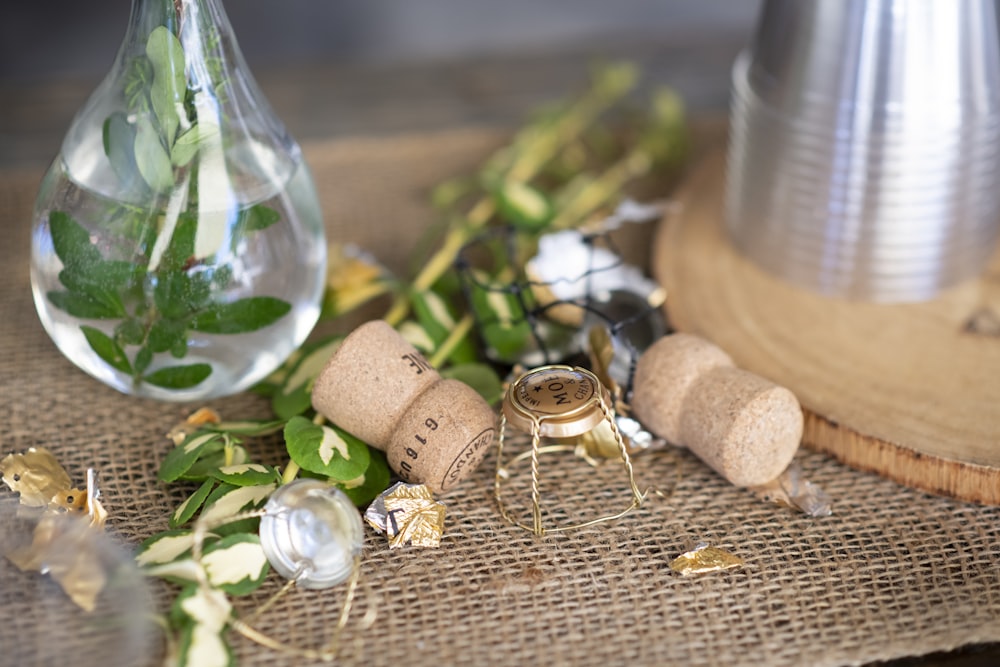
{"x": 178, "y": 248}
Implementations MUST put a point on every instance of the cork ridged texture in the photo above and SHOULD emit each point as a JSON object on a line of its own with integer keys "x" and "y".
{"x": 370, "y": 381}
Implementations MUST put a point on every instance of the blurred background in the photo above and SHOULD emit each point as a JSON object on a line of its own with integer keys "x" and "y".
{"x": 59, "y": 38}
{"x": 354, "y": 62}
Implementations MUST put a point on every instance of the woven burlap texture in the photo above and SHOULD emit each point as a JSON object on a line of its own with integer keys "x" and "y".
{"x": 893, "y": 572}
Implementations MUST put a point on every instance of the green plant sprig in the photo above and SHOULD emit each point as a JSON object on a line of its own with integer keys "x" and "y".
{"x": 518, "y": 188}
{"x": 154, "y": 301}
{"x": 531, "y": 149}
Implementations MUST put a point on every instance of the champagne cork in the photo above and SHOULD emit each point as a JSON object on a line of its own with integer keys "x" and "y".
{"x": 442, "y": 437}
{"x": 743, "y": 426}
{"x": 380, "y": 389}
{"x": 370, "y": 381}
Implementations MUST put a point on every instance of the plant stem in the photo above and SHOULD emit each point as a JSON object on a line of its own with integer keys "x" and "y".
{"x": 457, "y": 334}
{"x": 532, "y": 149}
{"x": 291, "y": 471}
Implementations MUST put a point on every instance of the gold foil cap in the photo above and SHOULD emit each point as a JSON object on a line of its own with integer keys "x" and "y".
{"x": 565, "y": 401}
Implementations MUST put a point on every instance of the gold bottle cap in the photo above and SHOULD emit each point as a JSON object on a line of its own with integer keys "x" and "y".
{"x": 565, "y": 401}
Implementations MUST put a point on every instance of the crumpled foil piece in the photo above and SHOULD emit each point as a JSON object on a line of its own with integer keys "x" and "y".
{"x": 792, "y": 489}
{"x": 61, "y": 548}
{"x": 59, "y": 541}
{"x": 407, "y": 513}
{"x": 703, "y": 559}
{"x": 36, "y": 475}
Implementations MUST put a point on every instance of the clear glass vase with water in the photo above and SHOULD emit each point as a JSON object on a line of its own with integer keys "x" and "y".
{"x": 178, "y": 248}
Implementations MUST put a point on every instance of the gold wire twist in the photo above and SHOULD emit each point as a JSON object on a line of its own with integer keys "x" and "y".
{"x": 326, "y": 653}
{"x": 536, "y": 450}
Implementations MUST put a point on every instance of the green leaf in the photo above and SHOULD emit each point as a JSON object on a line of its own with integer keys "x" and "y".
{"x": 186, "y": 147}
{"x": 143, "y": 358}
{"x": 523, "y": 205}
{"x": 256, "y": 218}
{"x": 189, "y": 507}
{"x": 151, "y": 157}
{"x": 79, "y": 284}
{"x": 207, "y": 465}
{"x": 164, "y": 547}
{"x": 202, "y": 612}
{"x": 82, "y": 306}
{"x": 241, "y": 316}
{"x": 502, "y": 320}
{"x": 179, "y": 294}
{"x": 480, "y": 377}
{"x": 362, "y": 490}
{"x": 295, "y": 394}
{"x": 183, "y": 456}
{"x": 180, "y": 572}
{"x": 181, "y": 246}
{"x": 165, "y": 333}
{"x": 119, "y": 146}
{"x": 433, "y": 315}
{"x": 227, "y": 500}
{"x": 166, "y": 55}
{"x": 247, "y": 474}
{"x": 138, "y": 79}
{"x": 107, "y": 349}
{"x": 72, "y": 242}
{"x": 247, "y": 427}
{"x": 326, "y": 450}
{"x": 179, "y": 377}
{"x": 201, "y": 646}
{"x": 130, "y": 331}
{"x": 236, "y": 564}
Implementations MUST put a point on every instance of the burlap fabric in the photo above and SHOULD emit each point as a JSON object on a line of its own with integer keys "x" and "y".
{"x": 892, "y": 573}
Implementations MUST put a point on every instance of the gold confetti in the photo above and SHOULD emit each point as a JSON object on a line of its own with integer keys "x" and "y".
{"x": 36, "y": 475}
{"x": 407, "y": 513}
{"x": 60, "y": 545}
{"x": 703, "y": 559}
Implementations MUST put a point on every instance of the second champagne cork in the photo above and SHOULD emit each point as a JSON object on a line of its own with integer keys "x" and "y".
{"x": 742, "y": 425}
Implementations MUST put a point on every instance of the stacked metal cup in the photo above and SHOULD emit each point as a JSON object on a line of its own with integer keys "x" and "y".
{"x": 865, "y": 145}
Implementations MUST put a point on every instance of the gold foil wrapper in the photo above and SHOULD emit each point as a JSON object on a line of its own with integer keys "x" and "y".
{"x": 60, "y": 543}
{"x": 703, "y": 559}
{"x": 37, "y": 477}
{"x": 407, "y": 514}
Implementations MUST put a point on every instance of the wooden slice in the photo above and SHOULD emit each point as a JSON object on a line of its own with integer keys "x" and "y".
{"x": 909, "y": 391}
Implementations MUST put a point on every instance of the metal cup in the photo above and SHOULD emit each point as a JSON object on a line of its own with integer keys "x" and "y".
{"x": 865, "y": 145}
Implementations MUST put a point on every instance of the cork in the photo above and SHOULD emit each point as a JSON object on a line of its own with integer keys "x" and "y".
{"x": 379, "y": 388}
{"x": 442, "y": 437}
{"x": 663, "y": 376}
{"x": 742, "y": 425}
{"x": 370, "y": 381}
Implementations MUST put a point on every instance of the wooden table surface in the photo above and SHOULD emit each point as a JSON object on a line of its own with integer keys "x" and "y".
{"x": 322, "y": 101}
